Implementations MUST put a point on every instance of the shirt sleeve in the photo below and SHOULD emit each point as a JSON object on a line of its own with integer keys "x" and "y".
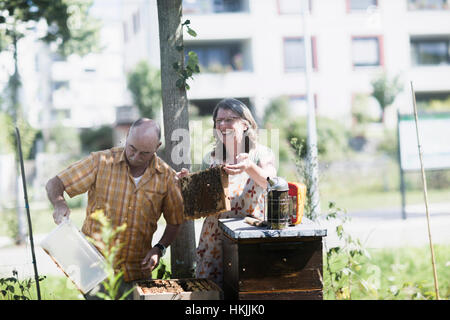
{"x": 173, "y": 207}
{"x": 80, "y": 176}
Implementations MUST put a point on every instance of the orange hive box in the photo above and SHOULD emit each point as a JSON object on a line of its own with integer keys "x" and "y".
{"x": 298, "y": 191}
{"x": 205, "y": 193}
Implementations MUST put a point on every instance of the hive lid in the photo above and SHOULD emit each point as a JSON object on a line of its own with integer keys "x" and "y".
{"x": 79, "y": 260}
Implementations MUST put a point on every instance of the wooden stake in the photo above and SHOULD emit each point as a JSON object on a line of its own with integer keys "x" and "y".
{"x": 436, "y": 286}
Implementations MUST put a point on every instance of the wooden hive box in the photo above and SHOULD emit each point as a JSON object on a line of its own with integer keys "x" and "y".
{"x": 205, "y": 193}
{"x": 177, "y": 289}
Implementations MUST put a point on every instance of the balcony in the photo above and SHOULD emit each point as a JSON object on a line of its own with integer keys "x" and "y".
{"x": 222, "y": 56}
{"x": 202, "y": 7}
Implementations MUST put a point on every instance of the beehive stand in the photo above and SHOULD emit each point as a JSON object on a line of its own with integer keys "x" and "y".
{"x": 260, "y": 263}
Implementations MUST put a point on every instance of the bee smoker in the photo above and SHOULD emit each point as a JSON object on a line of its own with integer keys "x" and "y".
{"x": 277, "y": 201}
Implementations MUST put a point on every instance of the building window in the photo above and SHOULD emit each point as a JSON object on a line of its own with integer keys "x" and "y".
{"x": 294, "y": 54}
{"x": 360, "y": 5}
{"x": 220, "y": 57}
{"x": 136, "y": 22}
{"x": 60, "y": 114}
{"x": 433, "y": 101}
{"x": 205, "y": 107}
{"x": 428, "y": 5}
{"x": 366, "y": 51}
{"x": 291, "y": 6}
{"x": 125, "y": 32}
{"x": 212, "y": 6}
{"x": 430, "y": 51}
{"x": 57, "y": 85}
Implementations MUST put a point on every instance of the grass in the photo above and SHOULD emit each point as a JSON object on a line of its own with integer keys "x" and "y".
{"x": 59, "y": 288}
{"x": 398, "y": 274}
{"x": 380, "y": 199}
{"x": 401, "y": 274}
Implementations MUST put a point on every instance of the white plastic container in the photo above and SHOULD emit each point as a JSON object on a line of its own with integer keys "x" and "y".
{"x": 75, "y": 255}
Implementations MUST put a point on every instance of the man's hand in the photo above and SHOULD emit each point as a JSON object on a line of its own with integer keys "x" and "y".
{"x": 151, "y": 260}
{"x": 61, "y": 212}
{"x": 55, "y": 191}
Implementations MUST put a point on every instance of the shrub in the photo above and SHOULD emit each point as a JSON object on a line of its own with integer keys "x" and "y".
{"x": 332, "y": 136}
{"x": 96, "y": 139}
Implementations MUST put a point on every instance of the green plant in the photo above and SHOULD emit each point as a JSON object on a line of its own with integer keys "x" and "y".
{"x": 96, "y": 139}
{"x": 361, "y": 112}
{"x": 345, "y": 260}
{"x": 6, "y": 138}
{"x": 303, "y": 173}
{"x": 388, "y": 143}
{"x": 144, "y": 83}
{"x": 9, "y": 286}
{"x": 385, "y": 90}
{"x": 11, "y": 223}
{"x": 192, "y": 66}
{"x": 109, "y": 246}
{"x": 439, "y": 105}
{"x": 332, "y": 136}
{"x": 161, "y": 272}
{"x": 63, "y": 139}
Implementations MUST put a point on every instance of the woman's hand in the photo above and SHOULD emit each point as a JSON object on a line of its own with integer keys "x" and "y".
{"x": 244, "y": 163}
{"x": 183, "y": 173}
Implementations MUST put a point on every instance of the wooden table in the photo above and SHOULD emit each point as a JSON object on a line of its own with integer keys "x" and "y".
{"x": 260, "y": 263}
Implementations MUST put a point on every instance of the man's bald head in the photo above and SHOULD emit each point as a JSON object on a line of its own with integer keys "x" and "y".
{"x": 143, "y": 140}
{"x": 146, "y": 126}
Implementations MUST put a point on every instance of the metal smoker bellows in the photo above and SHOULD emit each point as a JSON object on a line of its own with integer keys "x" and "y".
{"x": 277, "y": 202}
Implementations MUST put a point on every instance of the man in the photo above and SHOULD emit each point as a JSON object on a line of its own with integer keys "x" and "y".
{"x": 131, "y": 185}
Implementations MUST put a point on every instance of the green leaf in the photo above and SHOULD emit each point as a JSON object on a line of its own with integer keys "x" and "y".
{"x": 191, "y": 32}
{"x": 126, "y": 294}
{"x": 180, "y": 83}
{"x": 103, "y": 296}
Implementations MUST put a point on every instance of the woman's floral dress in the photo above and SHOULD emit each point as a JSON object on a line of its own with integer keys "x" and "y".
{"x": 247, "y": 199}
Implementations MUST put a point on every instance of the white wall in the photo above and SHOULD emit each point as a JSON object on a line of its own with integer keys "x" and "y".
{"x": 335, "y": 81}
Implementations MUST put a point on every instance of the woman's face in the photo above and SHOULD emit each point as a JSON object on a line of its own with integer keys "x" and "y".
{"x": 229, "y": 126}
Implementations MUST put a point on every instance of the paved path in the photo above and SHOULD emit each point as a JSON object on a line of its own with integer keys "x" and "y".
{"x": 386, "y": 228}
{"x": 375, "y": 228}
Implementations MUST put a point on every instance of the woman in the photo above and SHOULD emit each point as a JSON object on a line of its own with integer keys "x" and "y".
{"x": 248, "y": 165}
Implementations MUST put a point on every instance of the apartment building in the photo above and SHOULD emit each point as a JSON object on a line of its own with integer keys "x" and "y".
{"x": 254, "y": 50}
{"x": 74, "y": 91}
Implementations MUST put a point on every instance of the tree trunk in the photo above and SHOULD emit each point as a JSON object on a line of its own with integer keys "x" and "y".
{"x": 176, "y": 117}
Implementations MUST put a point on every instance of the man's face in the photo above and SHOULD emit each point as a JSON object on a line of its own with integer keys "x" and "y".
{"x": 139, "y": 149}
